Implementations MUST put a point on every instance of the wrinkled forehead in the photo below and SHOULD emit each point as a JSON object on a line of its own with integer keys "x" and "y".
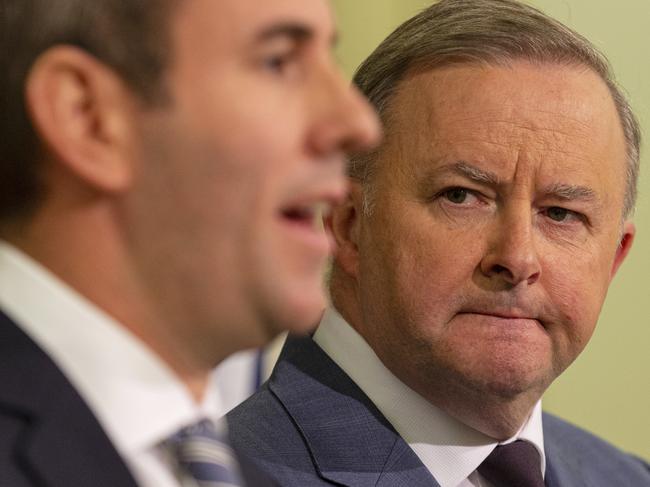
{"x": 543, "y": 108}
{"x": 538, "y": 95}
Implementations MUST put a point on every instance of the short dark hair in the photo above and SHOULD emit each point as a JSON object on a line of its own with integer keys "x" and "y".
{"x": 130, "y": 36}
{"x": 490, "y": 32}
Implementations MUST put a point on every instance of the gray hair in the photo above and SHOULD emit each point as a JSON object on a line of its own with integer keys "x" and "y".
{"x": 490, "y": 32}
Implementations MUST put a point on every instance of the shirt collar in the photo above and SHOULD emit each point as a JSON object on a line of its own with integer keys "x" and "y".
{"x": 136, "y": 397}
{"x": 449, "y": 449}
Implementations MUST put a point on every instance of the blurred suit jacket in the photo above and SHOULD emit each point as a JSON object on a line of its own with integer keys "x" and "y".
{"x": 48, "y": 435}
{"x": 311, "y": 425}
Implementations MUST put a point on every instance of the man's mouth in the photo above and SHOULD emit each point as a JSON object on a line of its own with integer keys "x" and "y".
{"x": 500, "y": 314}
{"x": 510, "y": 318}
{"x": 307, "y": 215}
{"x": 303, "y": 225}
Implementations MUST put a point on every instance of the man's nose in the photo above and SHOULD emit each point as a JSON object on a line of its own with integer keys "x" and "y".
{"x": 344, "y": 121}
{"x": 512, "y": 255}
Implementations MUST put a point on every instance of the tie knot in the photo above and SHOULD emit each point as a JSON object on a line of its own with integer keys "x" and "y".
{"x": 203, "y": 452}
{"x": 201, "y": 429}
{"x": 516, "y": 464}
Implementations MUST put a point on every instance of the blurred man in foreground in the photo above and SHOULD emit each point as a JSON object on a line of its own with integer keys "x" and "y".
{"x": 473, "y": 257}
{"x": 161, "y": 165}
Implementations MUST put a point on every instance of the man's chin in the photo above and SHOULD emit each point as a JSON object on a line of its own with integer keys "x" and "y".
{"x": 299, "y": 316}
{"x": 511, "y": 385}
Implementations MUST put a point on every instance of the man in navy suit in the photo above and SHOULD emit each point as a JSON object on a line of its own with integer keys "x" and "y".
{"x": 472, "y": 259}
{"x": 161, "y": 166}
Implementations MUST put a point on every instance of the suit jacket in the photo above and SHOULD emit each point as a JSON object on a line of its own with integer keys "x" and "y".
{"x": 311, "y": 425}
{"x": 48, "y": 435}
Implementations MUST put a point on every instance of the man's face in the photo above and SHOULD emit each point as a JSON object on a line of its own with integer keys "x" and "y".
{"x": 231, "y": 173}
{"x": 496, "y": 223}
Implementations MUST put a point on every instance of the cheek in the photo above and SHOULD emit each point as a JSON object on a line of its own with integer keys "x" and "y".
{"x": 421, "y": 271}
{"x": 575, "y": 294}
{"x": 440, "y": 260}
{"x": 259, "y": 127}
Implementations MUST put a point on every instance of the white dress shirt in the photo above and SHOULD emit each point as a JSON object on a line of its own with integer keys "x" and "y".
{"x": 136, "y": 397}
{"x": 449, "y": 449}
{"x": 240, "y": 375}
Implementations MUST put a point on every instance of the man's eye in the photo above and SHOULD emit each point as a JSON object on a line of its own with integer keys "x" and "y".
{"x": 456, "y": 195}
{"x": 557, "y": 214}
{"x": 281, "y": 63}
{"x": 275, "y": 63}
{"x": 561, "y": 215}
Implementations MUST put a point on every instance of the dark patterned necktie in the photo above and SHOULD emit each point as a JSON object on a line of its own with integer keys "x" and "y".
{"x": 516, "y": 464}
{"x": 205, "y": 455}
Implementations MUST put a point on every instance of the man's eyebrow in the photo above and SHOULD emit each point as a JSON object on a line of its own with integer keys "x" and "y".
{"x": 472, "y": 172}
{"x": 562, "y": 191}
{"x": 460, "y": 168}
{"x": 292, "y": 30}
{"x": 571, "y": 192}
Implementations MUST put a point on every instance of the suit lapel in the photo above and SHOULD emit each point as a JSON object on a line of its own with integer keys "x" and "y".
{"x": 404, "y": 469}
{"x": 253, "y": 476}
{"x": 61, "y": 443}
{"x": 560, "y": 471}
{"x": 349, "y": 439}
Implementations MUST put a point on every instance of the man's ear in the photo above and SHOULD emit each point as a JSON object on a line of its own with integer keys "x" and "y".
{"x": 624, "y": 246}
{"x": 344, "y": 225}
{"x": 80, "y": 110}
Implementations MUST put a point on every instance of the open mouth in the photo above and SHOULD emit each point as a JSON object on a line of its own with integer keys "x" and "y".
{"x": 303, "y": 223}
{"x": 304, "y": 216}
{"x": 308, "y": 216}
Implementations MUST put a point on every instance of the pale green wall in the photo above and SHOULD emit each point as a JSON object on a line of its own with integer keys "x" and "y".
{"x": 607, "y": 390}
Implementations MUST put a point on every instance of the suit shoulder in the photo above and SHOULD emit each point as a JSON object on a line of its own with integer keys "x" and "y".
{"x": 261, "y": 424}
{"x": 249, "y": 414}
{"x": 575, "y": 448}
{"x": 261, "y": 431}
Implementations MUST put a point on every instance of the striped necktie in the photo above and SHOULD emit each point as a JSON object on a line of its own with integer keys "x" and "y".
{"x": 204, "y": 454}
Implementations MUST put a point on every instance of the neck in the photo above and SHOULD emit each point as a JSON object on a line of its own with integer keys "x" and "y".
{"x": 496, "y": 417}
{"x": 81, "y": 246}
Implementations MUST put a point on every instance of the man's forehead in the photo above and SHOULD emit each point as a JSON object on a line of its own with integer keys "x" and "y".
{"x": 551, "y": 105}
{"x": 244, "y": 21}
{"x": 470, "y": 87}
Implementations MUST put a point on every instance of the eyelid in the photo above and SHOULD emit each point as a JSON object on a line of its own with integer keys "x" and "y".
{"x": 472, "y": 192}
{"x": 575, "y": 216}
{"x": 279, "y": 59}
{"x": 279, "y": 46}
